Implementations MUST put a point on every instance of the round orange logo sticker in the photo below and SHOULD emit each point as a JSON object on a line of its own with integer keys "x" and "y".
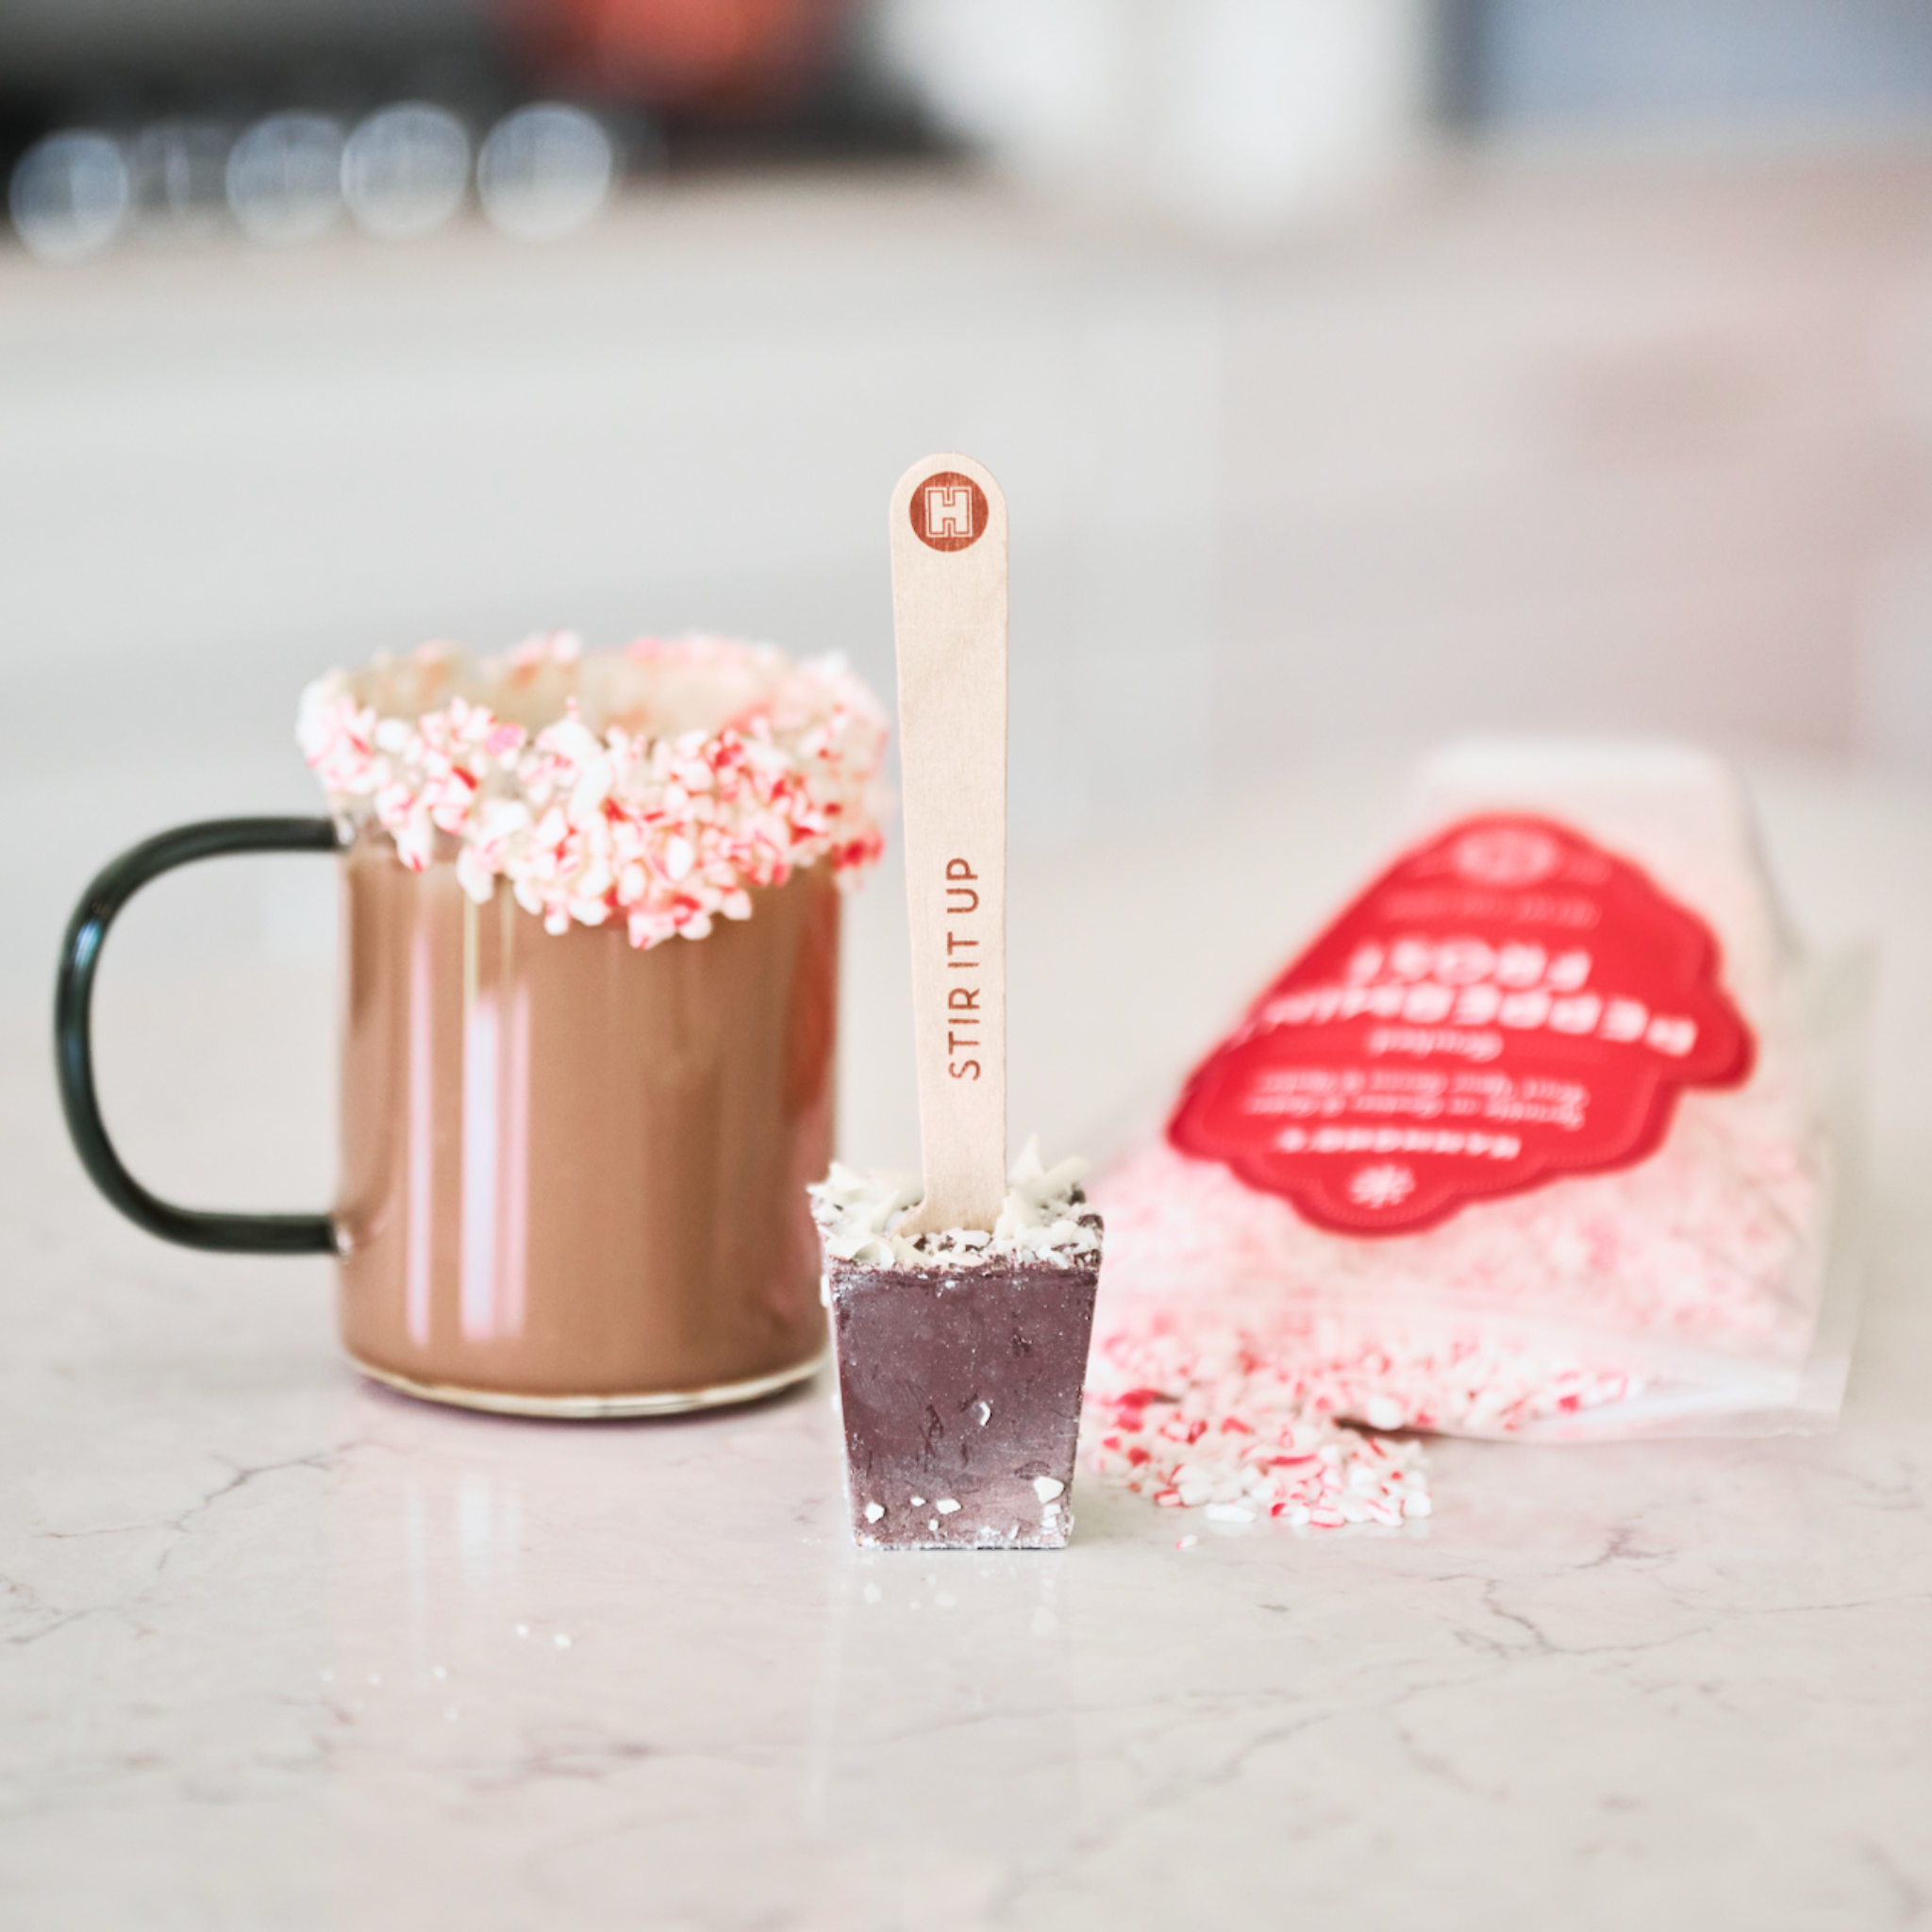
{"x": 949, "y": 511}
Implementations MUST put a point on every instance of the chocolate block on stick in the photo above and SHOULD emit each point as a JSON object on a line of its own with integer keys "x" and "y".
{"x": 961, "y": 1310}
{"x": 961, "y": 1362}
{"x": 961, "y": 1395}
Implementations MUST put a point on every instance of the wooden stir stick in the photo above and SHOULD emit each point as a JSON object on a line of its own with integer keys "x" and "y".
{"x": 949, "y": 616}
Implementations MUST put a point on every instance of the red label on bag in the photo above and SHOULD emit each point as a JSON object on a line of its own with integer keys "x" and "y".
{"x": 1507, "y": 1005}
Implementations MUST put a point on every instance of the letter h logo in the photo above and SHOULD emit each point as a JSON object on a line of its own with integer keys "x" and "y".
{"x": 949, "y": 509}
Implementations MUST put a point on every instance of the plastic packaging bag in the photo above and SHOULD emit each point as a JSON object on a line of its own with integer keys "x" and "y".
{"x": 1551, "y": 1135}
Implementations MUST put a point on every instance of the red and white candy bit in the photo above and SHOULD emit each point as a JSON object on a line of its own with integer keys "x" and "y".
{"x": 1234, "y": 1433}
{"x": 666, "y": 832}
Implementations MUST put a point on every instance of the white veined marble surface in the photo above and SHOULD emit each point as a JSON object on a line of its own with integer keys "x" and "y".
{"x": 278, "y": 1649}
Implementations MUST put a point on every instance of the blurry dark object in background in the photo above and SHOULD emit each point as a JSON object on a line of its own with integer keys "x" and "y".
{"x": 121, "y": 64}
{"x": 701, "y": 78}
{"x": 742, "y": 60}
{"x": 185, "y": 119}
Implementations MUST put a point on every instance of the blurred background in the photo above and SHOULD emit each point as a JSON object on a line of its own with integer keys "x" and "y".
{"x": 1358, "y": 371}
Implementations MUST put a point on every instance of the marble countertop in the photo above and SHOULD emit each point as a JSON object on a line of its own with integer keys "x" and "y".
{"x": 279, "y": 1649}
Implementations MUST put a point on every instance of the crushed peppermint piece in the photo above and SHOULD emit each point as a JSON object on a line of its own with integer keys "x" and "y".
{"x": 945, "y": 1506}
{"x": 874, "y": 1512}
{"x": 1046, "y": 1488}
{"x": 1045, "y": 1216}
{"x": 652, "y": 787}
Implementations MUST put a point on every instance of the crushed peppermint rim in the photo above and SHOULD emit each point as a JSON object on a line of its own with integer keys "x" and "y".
{"x": 1044, "y": 1217}
{"x": 654, "y": 786}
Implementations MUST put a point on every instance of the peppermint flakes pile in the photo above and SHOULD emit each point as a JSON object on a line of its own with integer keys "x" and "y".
{"x": 1238, "y": 1434}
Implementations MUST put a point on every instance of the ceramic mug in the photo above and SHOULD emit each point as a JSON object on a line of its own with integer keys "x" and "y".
{"x": 572, "y": 1167}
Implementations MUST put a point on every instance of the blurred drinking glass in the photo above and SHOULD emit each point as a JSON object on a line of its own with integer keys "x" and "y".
{"x": 544, "y": 171}
{"x": 178, "y": 174}
{"x": 405, "y": 169}
{"x": 285, "y": 179}
{"x": 70, "y": 195}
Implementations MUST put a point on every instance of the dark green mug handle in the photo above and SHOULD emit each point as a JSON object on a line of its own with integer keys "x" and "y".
{"x": 80, "y": 954}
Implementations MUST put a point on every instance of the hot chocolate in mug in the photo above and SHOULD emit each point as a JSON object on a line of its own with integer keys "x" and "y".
{"x": 591, "y": 908}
